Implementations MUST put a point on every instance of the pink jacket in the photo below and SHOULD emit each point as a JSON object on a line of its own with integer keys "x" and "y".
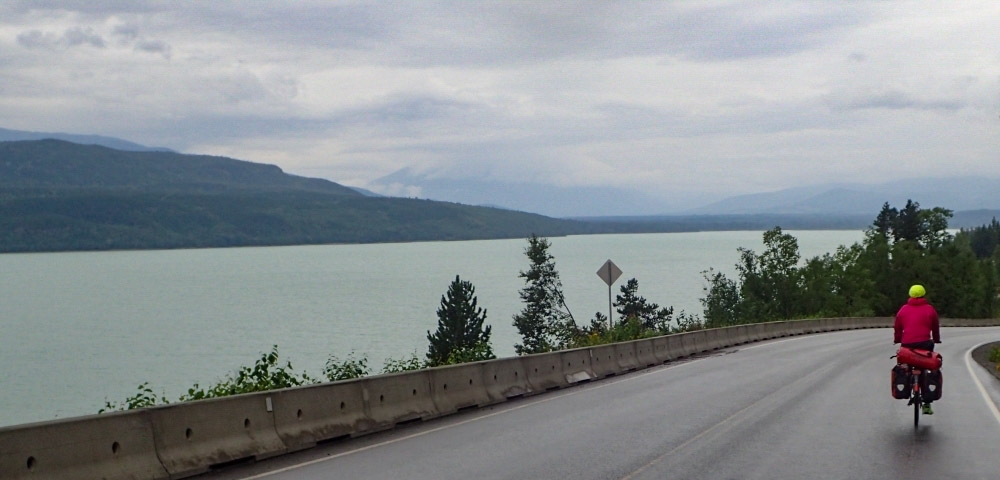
{"x": 917, "y": 321}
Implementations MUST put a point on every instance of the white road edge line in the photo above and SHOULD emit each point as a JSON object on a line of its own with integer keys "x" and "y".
{"x": 982, "y": 389}
{"x": 768, "y": 342}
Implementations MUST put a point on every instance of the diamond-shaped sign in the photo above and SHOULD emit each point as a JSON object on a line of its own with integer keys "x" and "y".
{"x": 609, "y": 272}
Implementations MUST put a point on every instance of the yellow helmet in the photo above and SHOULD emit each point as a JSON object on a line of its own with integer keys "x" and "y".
{"x": 917, "y": 291}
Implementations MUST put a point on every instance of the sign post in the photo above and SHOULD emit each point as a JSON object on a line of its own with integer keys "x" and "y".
{"x": 609, "y": 272}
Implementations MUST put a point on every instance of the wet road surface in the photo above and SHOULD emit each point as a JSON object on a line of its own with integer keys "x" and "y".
{"x": 814, "y": 406}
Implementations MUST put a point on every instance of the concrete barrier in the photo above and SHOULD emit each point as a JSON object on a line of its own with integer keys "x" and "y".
{"x": 712, "y": 339}
{"x": 191, "y": 437}
{"x": 625, "y": 356}
{"x": 675, "y": 346}
{"x": 696, "y": 342}
{"x": 777, "y": 329}
{"x": 689, "y": 343}
{"x": 304, "y": 416}
{"x": 603, "y": 360}
{"x": 455, "y": 387}
{"x": 798, "y": 327}
{"x": 661, "y": 349}
{"x": 739, "y": 335}
{"x": 833, "y": 324}
{"x": 185, "y": 439}
{"x": 645, "y": 353}
{"x": 576, "y": 365}
{"x": 399, "y": 398}
{"x": 718, "y": 338}
{"x": 837, "y": 324}
{"x": 852, "y": 323}
{"x": 505, "y": 378}
{"x": 812, "y": 326}
{"x": 755, "y": 332}
{"x": 969, "y": 322}
{"x": 878, "y": 322}
{"x": 544, "y": 371}
{"x": 110, "y": 446}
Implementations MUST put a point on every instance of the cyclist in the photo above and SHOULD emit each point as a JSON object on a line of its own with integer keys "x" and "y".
{"x": 917, "y": 326}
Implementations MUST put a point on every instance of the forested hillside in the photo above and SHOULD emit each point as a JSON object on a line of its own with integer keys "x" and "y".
{"x": 902, "y": 247}
{"x": 55, "y": 165}
{"x": 56, "y": 195}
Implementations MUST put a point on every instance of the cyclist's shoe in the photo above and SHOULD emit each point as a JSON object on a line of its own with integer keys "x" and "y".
{"x": 928, "y": 410}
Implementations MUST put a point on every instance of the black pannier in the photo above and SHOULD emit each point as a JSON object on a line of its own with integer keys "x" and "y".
{"x": 931, "y": 387}
{"x": 900, "y": 382}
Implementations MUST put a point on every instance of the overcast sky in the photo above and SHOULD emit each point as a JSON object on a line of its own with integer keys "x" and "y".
{"x": 701, "y": 96}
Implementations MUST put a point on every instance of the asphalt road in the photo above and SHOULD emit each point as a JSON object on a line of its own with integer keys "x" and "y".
{"x": 807, "y": 407}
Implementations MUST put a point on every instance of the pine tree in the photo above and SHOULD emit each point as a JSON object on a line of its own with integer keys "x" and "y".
{"x": 461, "y": 333}
{"x": 631, "y": 305}
{"x": 545, "y": 322}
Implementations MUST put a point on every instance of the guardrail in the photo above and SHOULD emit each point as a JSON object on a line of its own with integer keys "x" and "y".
{"x": 185, "y": 439}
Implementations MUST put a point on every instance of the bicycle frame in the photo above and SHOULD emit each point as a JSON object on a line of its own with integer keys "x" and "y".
{"x": 916, "y": 396}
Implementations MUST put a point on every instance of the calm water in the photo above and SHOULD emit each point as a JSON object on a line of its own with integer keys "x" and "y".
{"x": 77, "y": 329}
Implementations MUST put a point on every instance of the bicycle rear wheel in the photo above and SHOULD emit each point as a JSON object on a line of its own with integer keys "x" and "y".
{"x": 916, "y": 414}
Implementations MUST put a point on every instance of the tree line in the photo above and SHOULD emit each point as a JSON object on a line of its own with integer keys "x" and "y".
{"x": 901, "y": 247}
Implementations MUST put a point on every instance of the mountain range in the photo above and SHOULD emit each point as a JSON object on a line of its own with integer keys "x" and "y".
{"x": 110, "y": 142}
{"x": 57, "y": 195}
{"x": 954, "y": 193}
{"x": 62, "y": 195}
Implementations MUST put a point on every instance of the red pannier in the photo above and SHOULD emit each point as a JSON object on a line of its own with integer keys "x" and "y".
{"x": 919, "y": 358}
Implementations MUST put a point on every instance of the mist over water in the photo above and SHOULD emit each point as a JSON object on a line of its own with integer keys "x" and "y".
{"x": 77, "y": 329}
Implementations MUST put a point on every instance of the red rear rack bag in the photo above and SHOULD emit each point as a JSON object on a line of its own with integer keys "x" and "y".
{"x": 919, "y": 358}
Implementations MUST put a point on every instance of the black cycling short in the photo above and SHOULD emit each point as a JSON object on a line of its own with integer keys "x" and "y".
{"x": 925, "y": 345}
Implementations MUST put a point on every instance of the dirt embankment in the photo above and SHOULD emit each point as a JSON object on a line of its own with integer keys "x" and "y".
{"x": 982, "y": 356}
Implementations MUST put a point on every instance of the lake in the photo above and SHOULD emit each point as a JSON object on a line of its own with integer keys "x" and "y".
{"x": 77, "y": 329}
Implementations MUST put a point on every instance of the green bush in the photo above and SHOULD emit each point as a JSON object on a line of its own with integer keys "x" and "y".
{"x": 994, "y": 355}
{"x": 403, "y": 365}
{"x": 143, "y": 398}
{"x": 265, "y": 375}
{"x": 346, "y": 369}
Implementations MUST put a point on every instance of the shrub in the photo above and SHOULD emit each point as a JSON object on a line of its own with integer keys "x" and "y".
{"x": 346, "y": 369}
{"x": 994, "y": 355}
{"x": 403, "y": 365}
{"x": 143, "y": 398}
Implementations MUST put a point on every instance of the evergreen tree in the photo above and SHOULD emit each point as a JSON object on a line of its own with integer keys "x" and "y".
{"x": 983, "y": 240}
{"x": 460, "y": 327}
{"x": 650, "y": 316}
{"x": 908, "y": 223}
{"x": 545, "y": 322}
{"x": 886, "y": 221}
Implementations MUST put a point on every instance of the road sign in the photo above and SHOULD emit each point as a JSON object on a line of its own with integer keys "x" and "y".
{"x": 609, "y": 272}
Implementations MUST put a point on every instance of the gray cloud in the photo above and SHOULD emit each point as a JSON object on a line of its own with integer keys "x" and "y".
{"x": 153, "y": 46}
{"x": 72, "y": 37}
{"x": 83, "y": 36}
{"x": 89, "y": 8}
{"x": 896, "y": 100}
{"x": 474, "y": 33}
{"x": 127, "y": 32}
{"x": 37, "y": 39}
{"x": 650, "y": 95}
